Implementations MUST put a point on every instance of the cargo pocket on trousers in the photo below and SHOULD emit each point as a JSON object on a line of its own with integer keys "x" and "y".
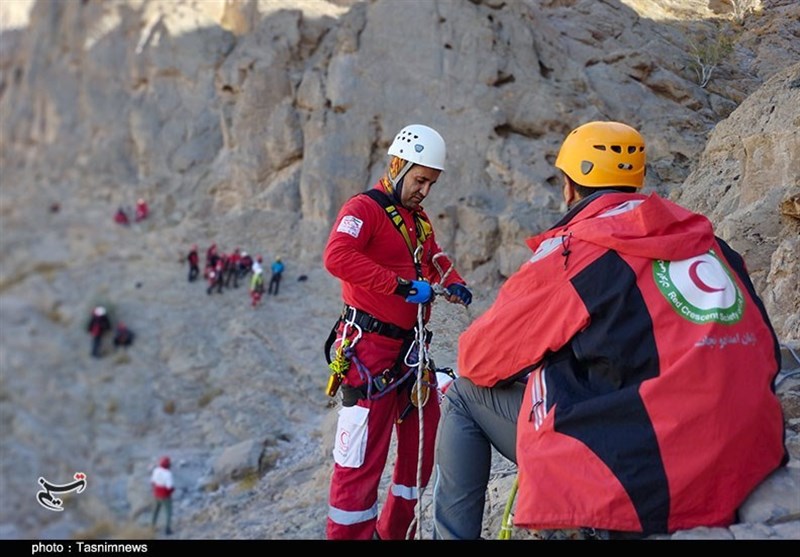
{"x": 351, "y": 437}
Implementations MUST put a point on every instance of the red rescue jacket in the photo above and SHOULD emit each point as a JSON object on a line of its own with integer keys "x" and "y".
{"x": 367, "y": 253}
{"x": 649, "y": 404}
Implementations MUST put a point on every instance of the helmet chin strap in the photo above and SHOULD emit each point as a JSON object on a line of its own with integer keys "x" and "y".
{"x": 397, "y": 182}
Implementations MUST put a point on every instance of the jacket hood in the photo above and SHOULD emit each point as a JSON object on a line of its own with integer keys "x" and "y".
{"x": 638, "y": 225}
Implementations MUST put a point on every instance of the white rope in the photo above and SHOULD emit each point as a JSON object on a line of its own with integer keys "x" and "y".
{"x": 423, "y": 362}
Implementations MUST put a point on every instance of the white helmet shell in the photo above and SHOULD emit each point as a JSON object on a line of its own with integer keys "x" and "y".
{"x": 419, "y": 145}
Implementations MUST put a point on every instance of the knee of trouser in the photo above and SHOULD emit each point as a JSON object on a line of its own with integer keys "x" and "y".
{"x": 455, "y": 392}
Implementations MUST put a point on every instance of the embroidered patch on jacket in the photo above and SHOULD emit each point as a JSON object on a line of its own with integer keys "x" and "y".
{"x": 350, "y": 225}
{"x": 700, "y": 289}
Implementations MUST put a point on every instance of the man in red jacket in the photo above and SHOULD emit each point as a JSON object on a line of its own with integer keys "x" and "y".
{"x": 627, "y": 367}
{"x": 382, "y": 247}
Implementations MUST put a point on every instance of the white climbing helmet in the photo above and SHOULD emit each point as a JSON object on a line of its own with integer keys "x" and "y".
{"x": 421, "y": 145}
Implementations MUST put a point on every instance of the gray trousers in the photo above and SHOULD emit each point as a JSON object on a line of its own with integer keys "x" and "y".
{"x": 473, "y": 420}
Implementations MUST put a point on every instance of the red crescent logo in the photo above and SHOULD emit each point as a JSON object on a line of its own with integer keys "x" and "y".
{"x": 698, "y": 282}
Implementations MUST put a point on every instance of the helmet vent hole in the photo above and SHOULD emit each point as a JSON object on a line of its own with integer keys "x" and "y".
{"x": 586, "y": 167}
{"x": 641, "y": 148}
{"x": 625, "y": 166}
{"x": 600, "y": 147}
{"x": 631, "y": 149}
{"x": 616, "y": 148}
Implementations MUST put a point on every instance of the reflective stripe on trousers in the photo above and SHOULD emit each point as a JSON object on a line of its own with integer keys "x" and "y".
{"x": 405, "y": 492}
{"x": 348, "y": 518}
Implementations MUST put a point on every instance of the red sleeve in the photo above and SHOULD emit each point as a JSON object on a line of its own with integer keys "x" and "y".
{"x": 344, "y": 255}
{"x": 531, "y": 317}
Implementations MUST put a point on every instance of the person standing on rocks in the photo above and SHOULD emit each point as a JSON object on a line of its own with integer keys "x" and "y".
{"x": 627, "y": 368}
{"x": 98, "y": 326}
{"x": 142, "y": 210}
{"x": 211, "y": 259}
{"x": 245, "y": 265}
{"x": 194, "y": 263}
{"x": 382, "y": 248}
{"x": 216, "y": 276}
{"x": 163, "y": 486}
{"x": 275, "y": 279}
{"x": 256, "y": 287}
{"x": 232, "y": 269}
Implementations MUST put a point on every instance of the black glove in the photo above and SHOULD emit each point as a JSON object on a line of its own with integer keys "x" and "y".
{"x": 461, "y": 291}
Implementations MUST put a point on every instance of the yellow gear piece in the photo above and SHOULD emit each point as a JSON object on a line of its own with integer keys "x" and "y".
{"x": 339, "y": 367}
{"x": 423, "y": 393}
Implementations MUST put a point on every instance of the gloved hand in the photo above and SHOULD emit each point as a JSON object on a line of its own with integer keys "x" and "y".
{"x": 414, "y": 291}
{"x": 459, "y": 293}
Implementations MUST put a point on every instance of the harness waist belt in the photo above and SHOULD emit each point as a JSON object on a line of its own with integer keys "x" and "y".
{"x": 370, "y": 324}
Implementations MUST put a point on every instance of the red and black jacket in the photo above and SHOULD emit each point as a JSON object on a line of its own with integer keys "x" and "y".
{"x": 650, "y": 363}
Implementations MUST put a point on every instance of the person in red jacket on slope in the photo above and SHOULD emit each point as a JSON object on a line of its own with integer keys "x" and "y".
{"x": 382, "y": 248}
{"x": 634, "y": 357}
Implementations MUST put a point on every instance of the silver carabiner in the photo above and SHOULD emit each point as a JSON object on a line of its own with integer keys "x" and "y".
{"x": 409, "y": 352}
{"x": 351, "y": 322}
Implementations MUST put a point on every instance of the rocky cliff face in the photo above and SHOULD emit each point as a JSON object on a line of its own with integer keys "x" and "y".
{"x": 248, "y": 124}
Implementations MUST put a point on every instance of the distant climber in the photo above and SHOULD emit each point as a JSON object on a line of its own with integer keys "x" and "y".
{"x": 163, "y": 486}
{"x": 232, "y": 268}
{"x": 121, "y": 217}
{"x": 256, "y": 287}
{"x": 275, "y": 280}
{"x": 211, "y": 260}
{"x": 245, "y": 265}
{"x": 123, "y": 336}
{"x": 194, "y": 263}
{"x": 216, "y": 277}
{"x": 98, "y": 326}
{"x": 258, "y": 265}
{"x": 142, "y": 210}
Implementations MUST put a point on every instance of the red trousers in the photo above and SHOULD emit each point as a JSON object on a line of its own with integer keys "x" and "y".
{"x": 364, "y": 434}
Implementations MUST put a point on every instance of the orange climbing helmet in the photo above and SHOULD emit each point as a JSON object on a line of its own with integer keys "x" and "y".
{"x": 602, "y": 155}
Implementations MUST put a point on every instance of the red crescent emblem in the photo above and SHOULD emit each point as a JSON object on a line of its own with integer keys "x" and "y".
{"x": 698, "y": 282}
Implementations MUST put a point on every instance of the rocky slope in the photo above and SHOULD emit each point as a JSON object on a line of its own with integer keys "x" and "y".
{"x": 247, "y": 124}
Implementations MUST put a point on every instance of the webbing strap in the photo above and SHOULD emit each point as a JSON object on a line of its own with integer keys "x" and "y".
{"x": 422, "y": 226}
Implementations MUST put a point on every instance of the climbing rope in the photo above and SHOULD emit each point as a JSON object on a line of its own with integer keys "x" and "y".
{"x": 422, "y": 387}
{"x": 507, "y": 523}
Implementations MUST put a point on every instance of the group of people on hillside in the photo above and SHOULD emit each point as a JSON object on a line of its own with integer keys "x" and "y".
{"x": 226, "y": 270}
{"x": 140, "y": 212}
{"x": 100, "y": 324}
{"x": 599, "y": 369}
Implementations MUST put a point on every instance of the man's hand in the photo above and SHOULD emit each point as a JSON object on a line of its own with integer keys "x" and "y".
{"x": 414, "y": 291}
{"x": 459, "y": 294}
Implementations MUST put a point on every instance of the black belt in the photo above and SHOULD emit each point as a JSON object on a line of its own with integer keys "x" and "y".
{"x": 370, "y": 324}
